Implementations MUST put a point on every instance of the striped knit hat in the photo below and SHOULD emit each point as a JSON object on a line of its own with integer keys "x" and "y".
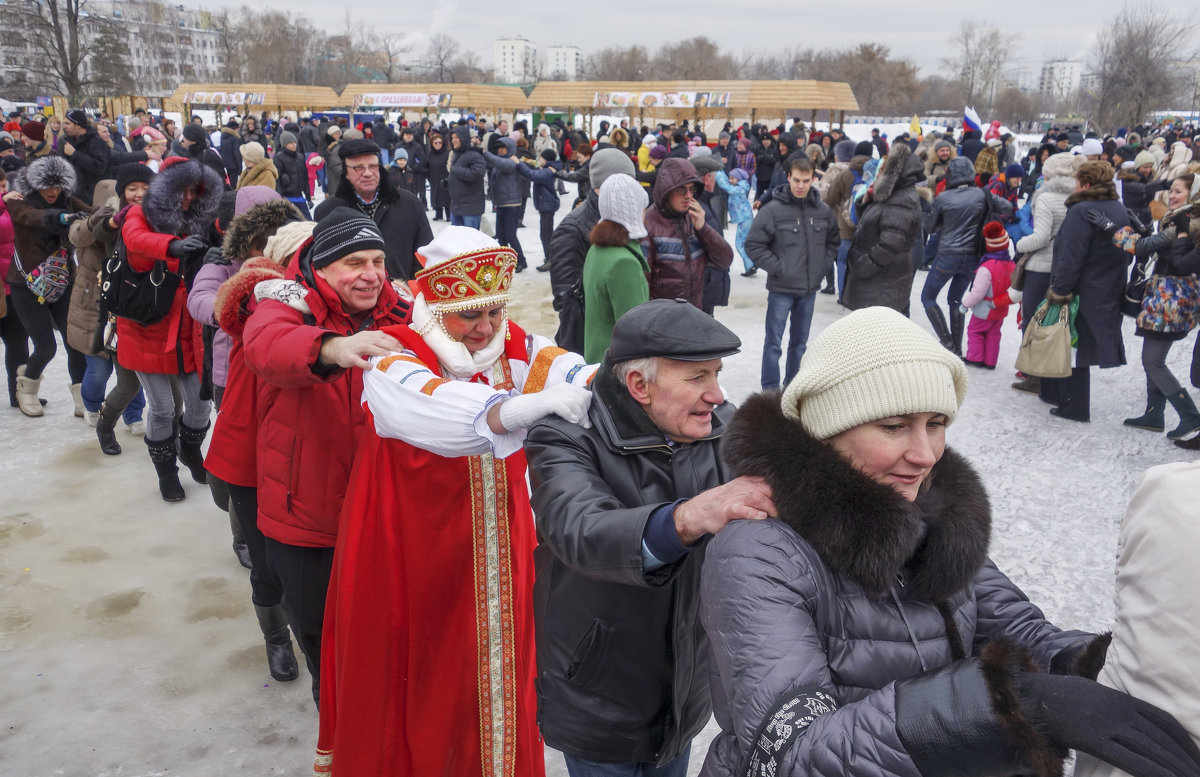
{"x": 343, "y": 231}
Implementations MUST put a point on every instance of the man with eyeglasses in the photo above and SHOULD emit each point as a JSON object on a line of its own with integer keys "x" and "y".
{"x": 399, "y": 214}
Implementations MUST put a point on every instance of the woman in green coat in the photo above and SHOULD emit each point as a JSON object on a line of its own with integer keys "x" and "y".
{"x": 614, "y": 271}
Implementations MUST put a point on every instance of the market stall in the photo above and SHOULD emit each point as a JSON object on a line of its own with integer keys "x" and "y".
{"x": 415, "y": 101}
{"x": 251, "y": 98}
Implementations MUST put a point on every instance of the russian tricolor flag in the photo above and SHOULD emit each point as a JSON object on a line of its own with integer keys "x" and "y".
{"x": 971, "y": 120}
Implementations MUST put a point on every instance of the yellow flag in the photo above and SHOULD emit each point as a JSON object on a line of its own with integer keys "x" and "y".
{"x": 914, "y": 128}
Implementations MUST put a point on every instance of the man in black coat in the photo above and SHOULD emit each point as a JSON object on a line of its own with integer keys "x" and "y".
{"x": 310, "y": 138}
{"x": 195, "y": 146}
{"x": 624, "y": 512}
{"x": 418, "y": 160}
{"x": 399, "y": 214}
{"x": 231, "y": 150}
{"x": 86, "y": 152}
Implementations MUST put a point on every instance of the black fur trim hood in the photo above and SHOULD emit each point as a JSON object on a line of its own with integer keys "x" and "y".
{"x": 260, "y": 221}
{"x": 864, "y": 530}
{"x": 162, "y": 202}
{"x": 44, "y": 173}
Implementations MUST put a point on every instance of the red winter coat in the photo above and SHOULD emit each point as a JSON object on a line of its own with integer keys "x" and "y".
{"x": 310, "y": 422}
{"x": 232, "y": 446}
{"x": 171, "y": 346}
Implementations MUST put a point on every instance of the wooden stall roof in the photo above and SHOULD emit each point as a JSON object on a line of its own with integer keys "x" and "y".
{"x": 743, "y": 95}
{"x": 464, "y": 95}
{"x": 274, "y": 95}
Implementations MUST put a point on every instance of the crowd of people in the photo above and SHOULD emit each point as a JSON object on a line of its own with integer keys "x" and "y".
{"x": 485, "y": 540}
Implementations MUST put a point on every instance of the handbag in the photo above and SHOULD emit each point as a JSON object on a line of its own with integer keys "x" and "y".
{"x": 1017, "y": 279}
{"x": 1171, "y": 304}
{"x": 1135, "y": 289}
{"x": 50, "y": 279}
{"x": 141, "y": 297}
{"x": 1046, "y": 346}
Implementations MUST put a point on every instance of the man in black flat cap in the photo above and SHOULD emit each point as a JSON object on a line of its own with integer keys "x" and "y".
{"x": 399, "y": 215}
{"x": 624, "y": 510}
{"x": 86, "y": 152}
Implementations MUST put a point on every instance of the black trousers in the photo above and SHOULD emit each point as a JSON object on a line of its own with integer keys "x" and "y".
{"x": 39, "y": 321}
{"x": 547, "y": 227}
{"x": 304, "y": 578}
{"x": 16, "y": 347}
{"x": 265, "y": 589}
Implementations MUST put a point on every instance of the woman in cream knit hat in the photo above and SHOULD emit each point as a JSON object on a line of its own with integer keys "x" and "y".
{"x": 865, "y": 631}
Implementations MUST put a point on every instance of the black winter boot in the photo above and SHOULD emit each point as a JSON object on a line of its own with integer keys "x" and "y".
{"x": 105, "y": 430}
{"x": 162, "y": 453}
{"x": 958, "y": 324}
{"x": 240, "y": 549}
{"x": 281, "y": 659}
{"x": 1189, "y": 417}
{"x": 1152, "y": 419}
{"x": 190, "y": 454}
{"x": 938, "y": 321}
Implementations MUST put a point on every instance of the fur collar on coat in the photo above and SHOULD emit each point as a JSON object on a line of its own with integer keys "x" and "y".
{"x": 165, "y": 195}
{"x": 903, "y": 169}
{"x": 863, "y": 530}
{"x": 1106, "y": 190}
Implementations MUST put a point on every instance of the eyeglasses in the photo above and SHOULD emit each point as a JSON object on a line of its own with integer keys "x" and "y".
{"x": 364, "y": 169}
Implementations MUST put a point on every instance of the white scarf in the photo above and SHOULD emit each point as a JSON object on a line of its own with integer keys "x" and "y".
{"x": 452, "y": 355}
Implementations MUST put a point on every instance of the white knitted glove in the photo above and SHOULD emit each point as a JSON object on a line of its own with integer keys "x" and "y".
{"x": 565, "y": 400}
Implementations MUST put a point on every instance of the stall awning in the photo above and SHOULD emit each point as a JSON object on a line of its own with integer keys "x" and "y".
{"x": 268, "y": 96}
{"x": 712, "y": 96}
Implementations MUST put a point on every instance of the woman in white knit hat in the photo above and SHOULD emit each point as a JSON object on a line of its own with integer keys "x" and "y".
{"x": 428, "y": 660}
{"x": 614, "y": 271}
{"x": 865, "y": 631}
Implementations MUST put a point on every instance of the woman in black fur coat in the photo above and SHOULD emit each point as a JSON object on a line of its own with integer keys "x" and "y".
{"x": 865, "y": 631}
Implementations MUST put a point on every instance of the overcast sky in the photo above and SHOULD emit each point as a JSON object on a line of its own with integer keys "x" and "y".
{"x": 918, "y": 33}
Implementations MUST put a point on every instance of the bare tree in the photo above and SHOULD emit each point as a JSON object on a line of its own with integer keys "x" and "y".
{"x": 619, "y": 64}
{"x": 391, "y": 49}
{"x": 440, "y": 57}
{"x": 978, "y": 52}
{"x": 64, "y": 34}
{"x": 1134, "y": 58}
{"x": 228, "y": 27}
{"x": 1013, "y": 106}
{"x": 695, "y": 58}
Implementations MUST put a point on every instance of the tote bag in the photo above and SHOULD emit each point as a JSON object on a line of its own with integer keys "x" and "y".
{"x": 1046, "y": 347}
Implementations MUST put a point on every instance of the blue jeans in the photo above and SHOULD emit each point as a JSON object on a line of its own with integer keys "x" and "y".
{"x": 781, "y": 308}
{"x": 843, "y": 252}
{"x": 957, "y": 270}
{"x": 302, "y": 206}
{"x": 473, "y": 222}
{"x": 580, "y": 767}
{"x": 95, "y": 382}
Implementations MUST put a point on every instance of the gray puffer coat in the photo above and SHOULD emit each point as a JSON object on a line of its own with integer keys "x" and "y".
{"x": 851, "y": 603}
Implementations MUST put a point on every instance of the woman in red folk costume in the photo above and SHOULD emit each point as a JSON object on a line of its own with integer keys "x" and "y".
{"x": 428, "y": 661}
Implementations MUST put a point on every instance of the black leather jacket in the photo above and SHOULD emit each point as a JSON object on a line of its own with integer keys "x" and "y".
{"x": 958, "y": 212}
{"x": 622, "y": 659}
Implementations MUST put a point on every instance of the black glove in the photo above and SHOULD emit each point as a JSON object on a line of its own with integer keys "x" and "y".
{"x": 1136, "y": 224}
{"x": 1100, "y": 221}
{"x": 1083, "y": 659}
{"x": 183, "y": 247}
{"x": 1117, "y": 728}
{"x": 214, "y": 256}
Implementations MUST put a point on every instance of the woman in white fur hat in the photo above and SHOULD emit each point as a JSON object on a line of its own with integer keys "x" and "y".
{"x": 865, "y": 631}
{"x": 428, "y": 658}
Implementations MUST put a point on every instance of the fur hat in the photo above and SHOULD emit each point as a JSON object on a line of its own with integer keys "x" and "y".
{"x": 995, "y": 237}
{"x": 256, "y": 222}
{"x": 341, "y": 232}
{"x": 608, "y": 162}
{"x": 253, "y": 153}
{"x": 359, "y": 146}
{"x": 44, "y": 173}
{"x": 843, "y": 150}
{"x": 623, "y": 200}
{"x": 872, "y": 364}
{"x": 165, "y": 196}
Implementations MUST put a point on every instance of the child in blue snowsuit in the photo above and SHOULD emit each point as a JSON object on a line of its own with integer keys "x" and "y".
{"x": 740, "y": 212}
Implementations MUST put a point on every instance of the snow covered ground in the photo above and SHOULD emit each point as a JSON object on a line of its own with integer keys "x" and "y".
{"x": 127, "y": 641}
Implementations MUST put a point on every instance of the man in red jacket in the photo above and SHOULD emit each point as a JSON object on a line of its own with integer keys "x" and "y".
{"x": 301, "y": 342}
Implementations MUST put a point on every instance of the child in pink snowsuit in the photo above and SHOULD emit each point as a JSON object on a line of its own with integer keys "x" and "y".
{"x": 988, "y": 298}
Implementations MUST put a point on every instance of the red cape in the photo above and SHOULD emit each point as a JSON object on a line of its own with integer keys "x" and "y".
{"x": 427, "y": 665}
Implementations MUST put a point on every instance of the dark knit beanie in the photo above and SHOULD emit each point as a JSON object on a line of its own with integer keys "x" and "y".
{"x": 343, "y": 231}
{"x": 1014, "y": 170}
{"x": 659, "y": 152}
{"x": 131, "y": 173}
{"x": 77, "y": 116}
{"x": 549, "y": 154}
{"x": 194, "y": 132}
{"x": 865, "y": 148}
